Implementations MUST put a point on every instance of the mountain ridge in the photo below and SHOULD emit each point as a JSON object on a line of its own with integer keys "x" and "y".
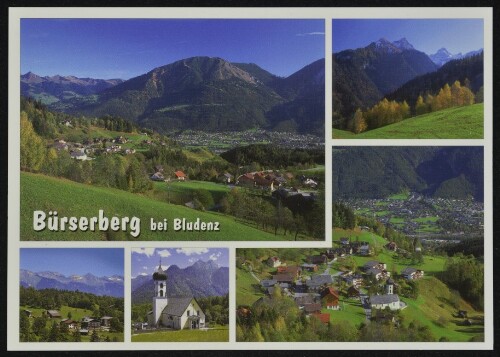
{"x": 201, "y": 279}
{"x": 105, "y": 285}
{"x": 211, "y": 94}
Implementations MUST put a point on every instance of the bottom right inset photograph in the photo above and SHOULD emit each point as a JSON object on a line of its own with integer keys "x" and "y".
{"x": 406, "y": 261}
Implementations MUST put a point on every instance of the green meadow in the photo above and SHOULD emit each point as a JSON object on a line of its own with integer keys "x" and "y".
{"x": 452, "y": 123}
{"x": 216, "y": 334}
{"x": 71, "y": 199}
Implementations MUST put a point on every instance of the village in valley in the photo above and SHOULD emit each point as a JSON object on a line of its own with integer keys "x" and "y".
{"x": 222, "y": 141}
{"x": 429, "y": 218}
{"x": 358, "y": 290}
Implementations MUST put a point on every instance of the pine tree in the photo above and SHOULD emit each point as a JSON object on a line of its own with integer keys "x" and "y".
{"x": 94, "y": 337}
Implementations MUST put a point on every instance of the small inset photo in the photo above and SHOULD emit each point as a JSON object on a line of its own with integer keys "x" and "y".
{"x": 407, "y": 78}
{"x": 180, "y": 295}
{"x": 71, "y": 295}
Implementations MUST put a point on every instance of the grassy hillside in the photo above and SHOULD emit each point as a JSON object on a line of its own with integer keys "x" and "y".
{"x": 436, "y": 307}
{"x": 453, "y": 123}
{"x": 248, "y": 288}
{"x": 217, "y": 334}
{"x": 431, "y": 264}
{"x": 39, "y": 192}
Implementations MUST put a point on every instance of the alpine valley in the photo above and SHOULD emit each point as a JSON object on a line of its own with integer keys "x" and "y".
{"x": 199, "y": 93}
{"x": 387, "y": 82}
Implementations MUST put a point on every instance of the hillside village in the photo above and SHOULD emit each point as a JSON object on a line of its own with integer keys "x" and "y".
{"x": 362, "y": 282}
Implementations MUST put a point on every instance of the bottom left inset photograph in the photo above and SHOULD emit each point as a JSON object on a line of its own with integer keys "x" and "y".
{"x": 71, "y": 295}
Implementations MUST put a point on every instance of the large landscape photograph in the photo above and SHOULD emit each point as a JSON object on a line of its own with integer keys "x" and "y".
{"x": 408, "y": 79}
{"x": 216, "y": 123}
{"x": 406, "y": 261}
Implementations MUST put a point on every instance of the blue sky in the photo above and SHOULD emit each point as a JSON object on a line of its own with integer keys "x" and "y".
{"x": 125, "y": 48}
{"x": 426, "y": 35}
{"x": 74, "y": 261}
{"x": 146, "y": 260}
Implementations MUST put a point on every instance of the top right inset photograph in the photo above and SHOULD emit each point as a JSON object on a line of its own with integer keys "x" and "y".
{"x": 407, "y": 79}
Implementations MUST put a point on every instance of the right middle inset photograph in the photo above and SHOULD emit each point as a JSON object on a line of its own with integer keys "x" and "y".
{"x": 407, "y": 79}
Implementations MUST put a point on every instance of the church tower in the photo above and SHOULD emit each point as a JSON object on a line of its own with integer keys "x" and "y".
{"x": 160, "y": 300}
{"x": 389, "y": 287}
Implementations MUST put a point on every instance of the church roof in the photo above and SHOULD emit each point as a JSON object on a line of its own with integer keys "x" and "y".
{"x": 177, "y": 305}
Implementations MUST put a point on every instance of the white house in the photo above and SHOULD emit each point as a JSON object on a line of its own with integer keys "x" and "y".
{"x": 174, "y": 312}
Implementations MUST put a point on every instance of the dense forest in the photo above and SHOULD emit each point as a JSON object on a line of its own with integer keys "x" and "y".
{"x": 378, "y": 172}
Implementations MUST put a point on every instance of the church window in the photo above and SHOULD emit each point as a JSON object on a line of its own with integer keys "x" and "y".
{"x": 188, "y": 312}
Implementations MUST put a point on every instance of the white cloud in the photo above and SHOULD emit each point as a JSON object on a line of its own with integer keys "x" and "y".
{"x": 143, "y": 274}
{"x": 191, "y": 260}
{"x": 145, "y": 268}
{"x": 215, "y": 256}
{"x": 191, "y": 251}
{"x": 146, "y": 251}
{"x": 164, "y": 253}
{"x": 311, "y": 34}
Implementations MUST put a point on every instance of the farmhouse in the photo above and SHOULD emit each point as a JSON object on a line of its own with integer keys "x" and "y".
{"x": 374, "y": 264}
{"x": 312, "y": 308}
{"x": 181, "y": 176}
{"x": 364, "y": 250}
{"x": 293, "y": 270}
{"x": 174, "y": 312}
{"x": 284, "y": 278}
{"x": 106, "y": 321}
{"x": 353, "y": 292}
{"x": 318, "y": 259}
{"x": 274, "y": 262}
{"x": 226, "y": 178}
{"x": 309, "y": 267}
{"x": 410, "y": 273}
{"x": 72, "y": 325}
{"x": 268, "y": 283}
{"x": 330, "y": 298}
{"x": 317, "y": 282}
{"x": 53, "y": 314}
{"x": 157, "y": 176}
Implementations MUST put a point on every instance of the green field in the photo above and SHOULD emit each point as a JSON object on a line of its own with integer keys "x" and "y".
{"x": 399, "y": 196}
{"x": 358, "y": 234}
{"x": 181, "y": 191}
{"x": 217, "y": 334}
{"x": 248, "y": 290}
{"x": 351, "y": 311}
{"x": 453, "y": 123}
{"x": 71, "y": 199}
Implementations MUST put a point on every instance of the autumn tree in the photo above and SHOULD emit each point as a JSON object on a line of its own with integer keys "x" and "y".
{"x": 32, "y": 146}
{"x": 359, "y": 123}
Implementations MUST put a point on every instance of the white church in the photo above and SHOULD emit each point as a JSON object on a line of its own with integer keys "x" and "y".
{"x": 173, "y": 312}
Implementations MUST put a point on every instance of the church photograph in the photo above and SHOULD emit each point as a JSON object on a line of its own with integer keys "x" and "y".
{"x": 180, "y": 294}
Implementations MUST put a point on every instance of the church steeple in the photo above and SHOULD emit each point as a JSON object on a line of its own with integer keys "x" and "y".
{"x": 160, "y": 300}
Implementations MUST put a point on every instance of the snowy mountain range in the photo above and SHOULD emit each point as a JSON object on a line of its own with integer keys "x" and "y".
{"x": 106, "y": 285}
